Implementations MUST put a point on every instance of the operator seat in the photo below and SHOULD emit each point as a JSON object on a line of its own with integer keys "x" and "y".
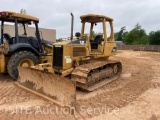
{"x": 97, "y": 41}
{"x": 8, "y": 38}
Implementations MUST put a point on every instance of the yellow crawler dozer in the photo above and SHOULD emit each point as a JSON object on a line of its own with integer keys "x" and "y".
{"x": 82, "y": 62}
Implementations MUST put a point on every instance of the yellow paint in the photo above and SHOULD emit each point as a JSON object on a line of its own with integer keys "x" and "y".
{"x": 19, "y": 15}
{"x": 2, "y": 63}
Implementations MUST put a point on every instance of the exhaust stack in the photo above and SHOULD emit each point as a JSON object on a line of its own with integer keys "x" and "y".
{"x": 72, "y": 23}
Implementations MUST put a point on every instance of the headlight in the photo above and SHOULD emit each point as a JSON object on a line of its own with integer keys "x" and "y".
{"x": 114, "y": 49}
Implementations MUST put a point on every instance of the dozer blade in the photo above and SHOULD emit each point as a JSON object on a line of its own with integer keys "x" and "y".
{"x": 55, "y": 88}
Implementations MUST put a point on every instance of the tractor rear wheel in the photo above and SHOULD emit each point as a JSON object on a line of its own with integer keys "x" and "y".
{"x": 22, "y": 58}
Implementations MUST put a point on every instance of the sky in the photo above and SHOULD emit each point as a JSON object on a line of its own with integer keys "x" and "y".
{"x": 55, "y": 14}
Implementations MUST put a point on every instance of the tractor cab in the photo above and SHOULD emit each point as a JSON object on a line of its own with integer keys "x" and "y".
{"x": 19, "y": 37}
{"x": 104, "y": 35}
{"x": 19, "y": 45}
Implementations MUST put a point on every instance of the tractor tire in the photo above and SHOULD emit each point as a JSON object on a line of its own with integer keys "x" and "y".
{"x": 22, "y": 58}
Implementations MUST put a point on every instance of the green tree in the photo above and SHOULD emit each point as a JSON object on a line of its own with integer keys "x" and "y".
{"x": 136, "y": 36}
{"x": 119, "y": 35}
{"x": 94, "y": 34}
{"x": 154, "y": 38}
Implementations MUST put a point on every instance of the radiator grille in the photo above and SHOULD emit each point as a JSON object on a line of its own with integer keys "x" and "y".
{"x": 58, "y": 57}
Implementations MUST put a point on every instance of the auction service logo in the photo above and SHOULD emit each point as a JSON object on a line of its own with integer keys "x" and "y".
{"x": 83, "y": 110}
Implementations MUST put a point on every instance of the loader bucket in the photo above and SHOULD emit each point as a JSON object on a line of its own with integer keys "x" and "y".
{"x": 55, "y": 88}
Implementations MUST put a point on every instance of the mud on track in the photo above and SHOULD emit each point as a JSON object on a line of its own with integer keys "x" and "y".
{"x": 141, "y": 72}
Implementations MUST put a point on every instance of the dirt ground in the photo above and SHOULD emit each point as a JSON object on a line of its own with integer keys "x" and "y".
{"x": 134, "y": 96}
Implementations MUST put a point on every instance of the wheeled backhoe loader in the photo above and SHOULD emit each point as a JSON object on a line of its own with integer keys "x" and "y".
{"x": 82, "y": 62}
{"x": 21, "y": 49}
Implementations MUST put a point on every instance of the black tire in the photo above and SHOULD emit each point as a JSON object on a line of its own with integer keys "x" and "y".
{"x": 16, "y": 59}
